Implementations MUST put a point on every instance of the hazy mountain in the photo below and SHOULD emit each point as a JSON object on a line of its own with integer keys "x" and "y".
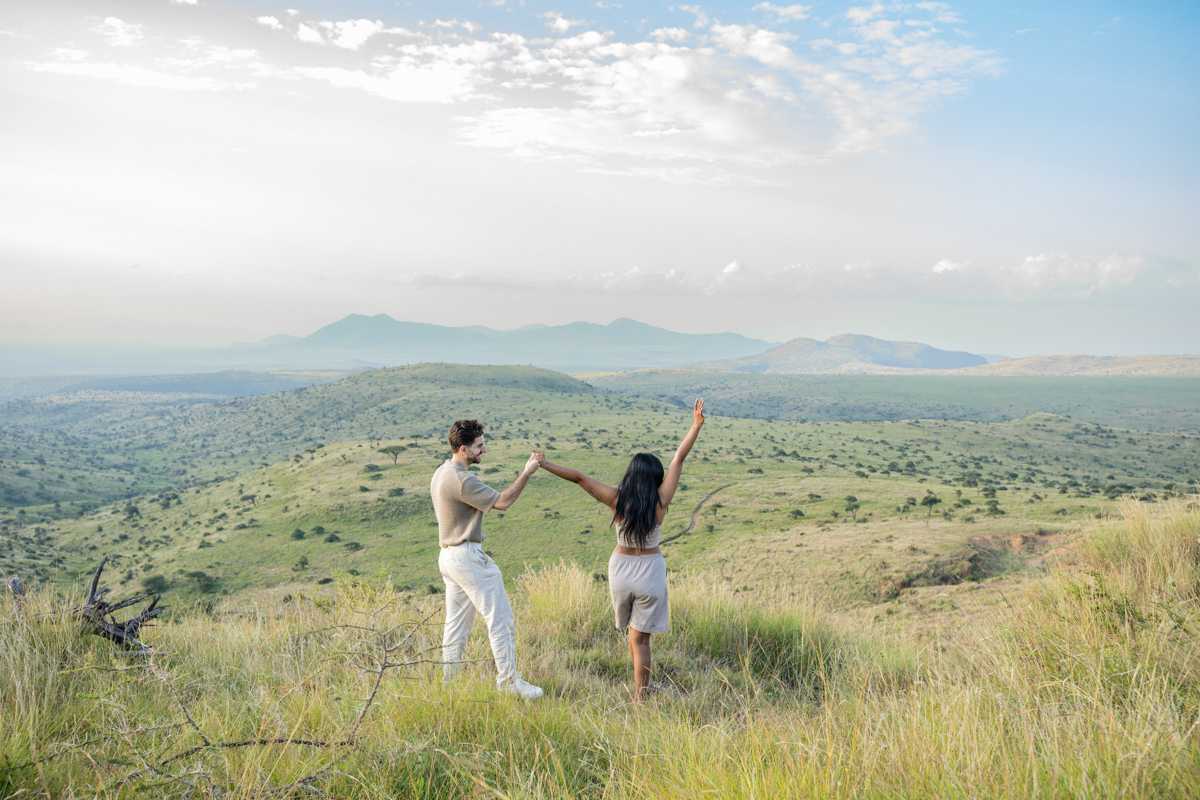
{"x": 848, "y": 353}
{"x": 622, "y": 344}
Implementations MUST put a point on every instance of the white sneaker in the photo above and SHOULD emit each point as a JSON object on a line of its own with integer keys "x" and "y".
{"x": 523, "y": 690}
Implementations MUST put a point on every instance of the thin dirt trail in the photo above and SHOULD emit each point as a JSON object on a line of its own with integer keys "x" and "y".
{"x": 695, "y": 515}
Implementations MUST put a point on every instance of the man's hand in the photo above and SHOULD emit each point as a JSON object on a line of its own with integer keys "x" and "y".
{"x": 535, "y": 461}
{"x": 540, "y": 457}
{"x": 698, "y": 412}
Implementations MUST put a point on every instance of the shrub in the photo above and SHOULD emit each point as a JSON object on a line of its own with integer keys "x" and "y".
{"x": 155, "y": 583}
{"x": 298, "y": 534}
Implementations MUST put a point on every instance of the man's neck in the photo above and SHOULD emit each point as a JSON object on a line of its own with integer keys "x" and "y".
{"x": 461, "y": 460}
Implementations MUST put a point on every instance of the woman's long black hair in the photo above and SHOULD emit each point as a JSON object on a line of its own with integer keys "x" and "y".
{"x": 637, "y": 498}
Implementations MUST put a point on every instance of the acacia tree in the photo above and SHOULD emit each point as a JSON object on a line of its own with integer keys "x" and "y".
{"x": 852, "y": 507}
{"x": 930, "y": 500}
{"x": 393, "y": 450}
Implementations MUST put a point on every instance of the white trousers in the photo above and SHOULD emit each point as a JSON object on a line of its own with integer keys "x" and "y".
{"x": 474, "y": 585}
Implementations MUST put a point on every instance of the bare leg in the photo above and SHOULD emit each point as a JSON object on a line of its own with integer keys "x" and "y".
{"x": 639, "y": 652}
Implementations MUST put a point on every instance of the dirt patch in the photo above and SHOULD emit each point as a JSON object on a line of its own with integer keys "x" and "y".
{"x": 1031, "y": 548}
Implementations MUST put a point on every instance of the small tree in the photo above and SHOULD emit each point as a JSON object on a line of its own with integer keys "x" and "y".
{"x": 394, "y": 451}
{"x": 930, "y": 500}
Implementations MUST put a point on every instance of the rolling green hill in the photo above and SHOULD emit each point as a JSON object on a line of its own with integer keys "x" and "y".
{"x": 764, "y": 503}
{"x": 1164, "y": 404}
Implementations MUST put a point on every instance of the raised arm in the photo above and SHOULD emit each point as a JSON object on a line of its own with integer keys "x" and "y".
{"x": 666, "y": 492}
{"x": 605, "y": 494}
{"x": 510, "y": 495}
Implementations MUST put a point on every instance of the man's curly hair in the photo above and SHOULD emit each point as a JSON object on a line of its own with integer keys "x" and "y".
{"x": 464, "y": 432}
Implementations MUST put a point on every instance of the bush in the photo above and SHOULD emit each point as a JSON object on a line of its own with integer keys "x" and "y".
{"x": 298, "y": 534}
{"x": 155, "y": 583}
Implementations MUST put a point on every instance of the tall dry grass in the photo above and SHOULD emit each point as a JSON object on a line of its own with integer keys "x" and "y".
{"x": 1086, "y": 688}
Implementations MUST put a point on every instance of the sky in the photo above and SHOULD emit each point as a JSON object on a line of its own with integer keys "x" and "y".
{"x": 1006, "y": 178}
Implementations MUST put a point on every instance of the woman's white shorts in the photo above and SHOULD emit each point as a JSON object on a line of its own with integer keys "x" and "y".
{"x": 638, "y": 585}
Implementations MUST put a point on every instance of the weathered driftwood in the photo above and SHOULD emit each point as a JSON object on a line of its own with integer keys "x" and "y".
{"x": 99, "y": 612}
{"x": 17, "y": 589}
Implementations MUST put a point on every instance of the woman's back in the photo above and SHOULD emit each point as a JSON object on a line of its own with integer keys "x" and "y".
{"x": 627, "y": 540}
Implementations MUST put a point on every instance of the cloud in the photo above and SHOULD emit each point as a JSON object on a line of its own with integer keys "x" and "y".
{"x": 119, "y": 33}
{"x": 185, "y": 2}
{"x": 559, "y": 23}
{"x": 795, "y": 12}
{"x": 699, "y": 13}
{"x": 947, "y": 265}
{"x": 309, "y": 34}
{"x": 352, "y": 34}
{"x": 670, "y": 34}
{"x": 941, "y": 13}
{"x": 131, "y": 75}
{"x": 718, "y": 104}
{"x": 404, "y": 82}
{"x": 1112, "y": 281}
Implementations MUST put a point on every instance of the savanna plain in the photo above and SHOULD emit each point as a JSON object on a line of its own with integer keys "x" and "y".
{"x": 880, "y": 588}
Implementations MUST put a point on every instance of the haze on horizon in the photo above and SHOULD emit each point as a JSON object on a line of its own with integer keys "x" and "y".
{"x": 1014, "y": 180}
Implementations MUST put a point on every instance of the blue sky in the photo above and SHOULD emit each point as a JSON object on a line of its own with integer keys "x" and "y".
{"x": 1010, "y": 178}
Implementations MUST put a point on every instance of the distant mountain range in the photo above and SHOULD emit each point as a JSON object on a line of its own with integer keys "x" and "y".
{"x": 359, "y": 342}
{"x": 849, "y": 353}
{"x": 623, "y": 344}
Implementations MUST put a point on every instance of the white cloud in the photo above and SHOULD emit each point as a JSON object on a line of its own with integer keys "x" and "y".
{"x": 185, "y": 2}
{"x": 718, "y": 104}
{"x": 131, "y": 75}
{"x": 766, "y": 47}
{"x": 699, "y": 13}
{"x": 941, "y": 13}
{"x": 352, "y": 34}
{"x": 861, "y": 14}
{"x": 785, "y": 12}
{"x": 120, "y": 33}
{"x": 308, "y": 34}
{"x": 947, "y": 265}
{"x": 1115, "y": 280}
{"x": 670, "y": 34}
{"x": 433, "y": 83}
{"x": 559, "y": 23}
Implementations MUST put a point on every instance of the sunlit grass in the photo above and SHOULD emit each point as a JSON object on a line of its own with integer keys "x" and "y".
{"x": 1088, "y": 687}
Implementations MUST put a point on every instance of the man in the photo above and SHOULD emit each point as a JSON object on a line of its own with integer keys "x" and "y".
{"x": 473, "y": 581}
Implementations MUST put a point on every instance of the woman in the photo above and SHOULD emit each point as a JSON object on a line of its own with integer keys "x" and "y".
{"x": 637, "y": 573}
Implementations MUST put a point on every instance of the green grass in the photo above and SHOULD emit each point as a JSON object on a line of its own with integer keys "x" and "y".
{"x": 768, "y": 499}
{"x": 1056, "y": 697}
{"x": 1163, "y": 404}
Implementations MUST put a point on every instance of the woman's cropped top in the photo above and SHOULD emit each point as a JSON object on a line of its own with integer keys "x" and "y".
{"x": 651, "y": 540}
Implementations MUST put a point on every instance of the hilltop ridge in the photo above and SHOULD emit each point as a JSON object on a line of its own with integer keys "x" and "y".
{"x": 847, "y": 353}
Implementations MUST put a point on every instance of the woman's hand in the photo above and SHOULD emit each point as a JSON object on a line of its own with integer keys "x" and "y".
{"x": 698, "y": 412}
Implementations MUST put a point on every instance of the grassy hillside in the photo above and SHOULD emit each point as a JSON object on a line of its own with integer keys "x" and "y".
{"x": 1083, "y": 686}
{"x": 1106, "y": 366}
{"x": 1143, "y": 403}
{"x": 146, "y": 441}
{"x": 762, "y": 505}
